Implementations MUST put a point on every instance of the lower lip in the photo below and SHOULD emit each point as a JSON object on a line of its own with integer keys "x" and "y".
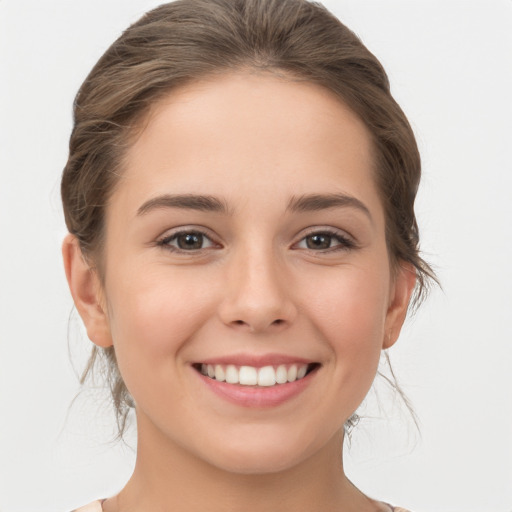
{"x": 258, "y": 396}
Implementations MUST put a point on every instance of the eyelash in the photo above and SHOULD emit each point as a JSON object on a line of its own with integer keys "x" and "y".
{"x": 165, "y": 242}
{"x": 344, "y": 243}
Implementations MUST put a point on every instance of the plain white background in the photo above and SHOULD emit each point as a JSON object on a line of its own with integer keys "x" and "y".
{"x": 450, "y": 65}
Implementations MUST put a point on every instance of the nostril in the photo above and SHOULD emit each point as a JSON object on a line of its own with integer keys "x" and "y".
{"x": 258, "y": 324}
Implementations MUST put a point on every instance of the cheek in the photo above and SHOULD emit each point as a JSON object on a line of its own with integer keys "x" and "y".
{"x": 352, "y": 300}
{"x": 349, "y": 318}
{"x": 349, "y": 312}
{"x": 154, "y": 314}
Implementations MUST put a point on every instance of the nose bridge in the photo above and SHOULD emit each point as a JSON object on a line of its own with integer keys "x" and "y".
{"x": 257, "y": 296}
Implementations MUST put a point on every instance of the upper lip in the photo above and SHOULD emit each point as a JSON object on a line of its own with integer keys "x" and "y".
{"x": 257, "y": 361}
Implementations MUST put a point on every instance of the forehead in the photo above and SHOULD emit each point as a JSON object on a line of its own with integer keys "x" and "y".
{"x": 231, "y": 134}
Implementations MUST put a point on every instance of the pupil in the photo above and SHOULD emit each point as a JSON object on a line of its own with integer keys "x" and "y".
{"x": 190, "y": 241}
{"x": 319, "y": 242}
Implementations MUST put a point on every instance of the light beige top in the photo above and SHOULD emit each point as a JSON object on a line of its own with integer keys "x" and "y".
{"x": 96, "y": 507}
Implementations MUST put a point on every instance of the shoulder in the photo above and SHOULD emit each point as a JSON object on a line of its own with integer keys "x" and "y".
{"x": 95, "y": 506}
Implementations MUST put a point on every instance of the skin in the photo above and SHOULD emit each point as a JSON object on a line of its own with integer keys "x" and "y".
{"x": 254, "y": 142}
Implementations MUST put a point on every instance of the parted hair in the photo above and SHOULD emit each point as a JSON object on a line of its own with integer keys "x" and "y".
{"x": 187, "y": 40}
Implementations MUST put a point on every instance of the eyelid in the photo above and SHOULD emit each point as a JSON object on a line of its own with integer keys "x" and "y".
{"x": 346, "y": 241}
{"x": 172, "y": 234}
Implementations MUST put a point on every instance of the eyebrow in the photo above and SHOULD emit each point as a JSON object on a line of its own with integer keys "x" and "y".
{"x": 203, "y": 203}
{"x": 317, "y": 202}
{"x": 206, "y": 203}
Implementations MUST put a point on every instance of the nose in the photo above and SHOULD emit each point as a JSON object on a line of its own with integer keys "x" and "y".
{"x": 258, "y": 295}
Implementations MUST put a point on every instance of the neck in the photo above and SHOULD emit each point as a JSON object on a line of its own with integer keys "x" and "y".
{"x": 167, "y": 477}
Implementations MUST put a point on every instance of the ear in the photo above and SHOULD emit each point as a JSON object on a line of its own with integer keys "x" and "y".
{"x": 86, "y": 290}
{"x": 401, "y": 292}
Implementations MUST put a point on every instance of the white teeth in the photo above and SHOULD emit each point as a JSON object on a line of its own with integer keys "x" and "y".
{"x": 292, "y": 373}
{"x": 301, "y": 372}
{"x": 266, "y": 376}
{"x": 219, "y": 373}
{"x": 250, "y": 376}
{"x": 231, "y": 374}
{"x": 281, "y": 374}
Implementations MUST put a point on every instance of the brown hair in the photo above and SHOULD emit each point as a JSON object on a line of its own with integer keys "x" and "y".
{"x": 186, "y": 40}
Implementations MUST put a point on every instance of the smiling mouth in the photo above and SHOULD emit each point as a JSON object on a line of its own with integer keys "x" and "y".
{"x": 265, "y": 376}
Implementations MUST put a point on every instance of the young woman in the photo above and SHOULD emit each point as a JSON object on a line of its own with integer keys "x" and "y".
{"x": 240, "y": 201}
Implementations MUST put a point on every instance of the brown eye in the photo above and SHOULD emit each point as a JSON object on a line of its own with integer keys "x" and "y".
{"x": 325, "y": 241}
{"x": 186, "y": 241}
{"x": 318, "y": 241}
{"x": 190, "y": 241}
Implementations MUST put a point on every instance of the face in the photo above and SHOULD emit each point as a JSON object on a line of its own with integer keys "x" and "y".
{"x": 245, "y": 245}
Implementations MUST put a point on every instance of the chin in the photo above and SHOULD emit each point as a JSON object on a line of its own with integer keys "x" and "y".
{"x": 261, "y": 455}
{"x": 255, "y": 463}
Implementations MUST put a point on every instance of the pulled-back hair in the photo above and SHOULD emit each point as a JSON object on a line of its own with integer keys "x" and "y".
{"x": 187, "y": 40}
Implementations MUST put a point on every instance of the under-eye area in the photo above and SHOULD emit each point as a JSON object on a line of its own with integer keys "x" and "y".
{"x": 265, "y": 376}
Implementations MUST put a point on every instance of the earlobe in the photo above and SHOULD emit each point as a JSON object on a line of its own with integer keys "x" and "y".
{"x": 86, "y": 291}
{"x": 402, "y": 290}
